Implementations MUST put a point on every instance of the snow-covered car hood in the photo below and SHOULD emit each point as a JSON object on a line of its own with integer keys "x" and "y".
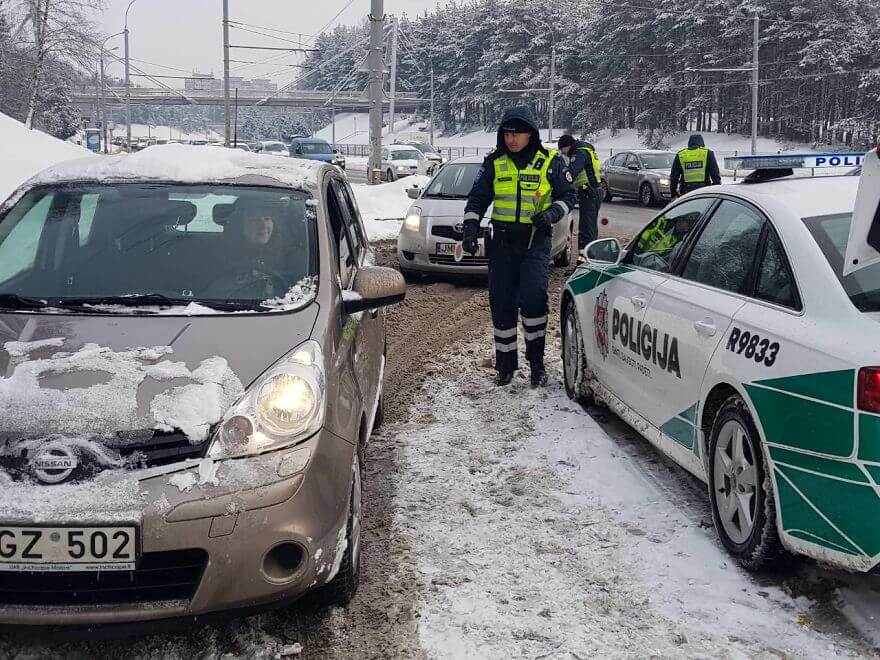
{"x": 433, "y": 207}
{"x": 89, "y": 375}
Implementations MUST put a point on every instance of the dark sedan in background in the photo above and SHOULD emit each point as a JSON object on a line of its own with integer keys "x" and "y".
{"x": 642, "y": 175}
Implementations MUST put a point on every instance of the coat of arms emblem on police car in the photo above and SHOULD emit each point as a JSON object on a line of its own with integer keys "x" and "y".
{"x": 600, "y": 323}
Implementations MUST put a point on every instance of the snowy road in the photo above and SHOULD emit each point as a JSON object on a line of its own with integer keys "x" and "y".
{"x": 513, "y": 523}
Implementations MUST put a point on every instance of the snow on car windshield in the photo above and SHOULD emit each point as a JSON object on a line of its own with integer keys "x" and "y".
{"x": 405, "y": 154}
{"x": 141, "y": 245}
{"x": 831, "y": 232}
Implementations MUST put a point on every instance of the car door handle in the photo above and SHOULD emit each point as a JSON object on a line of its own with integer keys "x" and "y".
{"x": 639, "y": 301}
{"x": 705, "y": 327}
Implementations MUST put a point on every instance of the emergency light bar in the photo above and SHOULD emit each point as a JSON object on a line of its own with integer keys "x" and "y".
{"x": 793, "y": 161}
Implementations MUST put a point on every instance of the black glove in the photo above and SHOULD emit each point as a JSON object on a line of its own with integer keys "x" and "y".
{"x": 547, "y": 218}
{"x": 471, "y": 231}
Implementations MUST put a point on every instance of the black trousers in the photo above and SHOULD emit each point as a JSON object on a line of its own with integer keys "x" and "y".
{"x": 518, "y": 278}
{"x": 588, "y": 223}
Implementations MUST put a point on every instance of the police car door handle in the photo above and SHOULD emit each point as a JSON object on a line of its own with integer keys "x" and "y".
{"x": 639, "y": 301}
{"x": 705, "y": 327}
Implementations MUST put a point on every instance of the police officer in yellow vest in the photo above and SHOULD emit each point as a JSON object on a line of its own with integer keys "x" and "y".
{"x": 530, "y": 189}
{"x": 694, "y": 167}
{"x": 584, "y": 165}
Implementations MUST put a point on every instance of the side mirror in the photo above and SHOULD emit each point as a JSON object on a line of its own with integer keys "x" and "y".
{"x": 374, "y": 286}
{"x": 604, "y": 252}
{"x": 414, "y": 193}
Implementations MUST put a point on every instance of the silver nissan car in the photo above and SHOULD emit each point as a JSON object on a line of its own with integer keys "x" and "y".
{"x": 433, "y": 226}
{"x": 192, "y": 346}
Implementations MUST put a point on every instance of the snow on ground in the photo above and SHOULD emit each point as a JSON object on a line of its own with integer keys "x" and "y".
{"x": 539, "y": 537}
{"x": 27, "y": 152}
{"x": 384, "y": 206}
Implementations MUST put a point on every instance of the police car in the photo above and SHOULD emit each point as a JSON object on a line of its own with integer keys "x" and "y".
{"x": 738, "y": 333}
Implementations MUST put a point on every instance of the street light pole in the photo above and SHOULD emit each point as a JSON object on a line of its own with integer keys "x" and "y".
{"x": 755, "y": 57}
{"x": 432, "y": 101}
{"x": 376, "y": 91}
{"x": 552, "y": 84}
{"x": 226, "y": 70}
{"x": 127, "y": 82}
{"x": 393, "y": 88}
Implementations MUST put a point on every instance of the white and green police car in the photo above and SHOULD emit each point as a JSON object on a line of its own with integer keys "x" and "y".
{"x": 729, "y": 336}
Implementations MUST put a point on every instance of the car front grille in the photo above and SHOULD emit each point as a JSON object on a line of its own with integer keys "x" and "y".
{"x": 160, "y": 576}
{"x": 158, "y": 448}
{"x": 449, "y": 260}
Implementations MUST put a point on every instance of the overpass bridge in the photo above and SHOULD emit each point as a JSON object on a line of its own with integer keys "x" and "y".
{"x": 86, "y": 95}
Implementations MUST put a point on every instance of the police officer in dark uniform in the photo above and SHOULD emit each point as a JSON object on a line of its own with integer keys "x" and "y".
{"x": 584, "y": 166}
{"x": 530, "y": 189}
{"x": 694, "y": 167}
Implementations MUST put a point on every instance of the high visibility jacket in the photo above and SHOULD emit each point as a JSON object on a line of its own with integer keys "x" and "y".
{"x": 694, "y": 163}
{"x": 658, "y": 238}
{"x": 582, "y": 178}
{"x": 521, "y": 194}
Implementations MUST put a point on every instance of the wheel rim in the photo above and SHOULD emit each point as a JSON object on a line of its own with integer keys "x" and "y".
{"x": 356, "y": 514}
{"x": 570, "y": 350}
{"x": 735, "y": 481}
{"x": 646, "y": 195}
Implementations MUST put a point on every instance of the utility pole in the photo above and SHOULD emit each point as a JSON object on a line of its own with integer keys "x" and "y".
{"x": 127, "y": 83}
{"x": 393, "y": 72}
{"x": 333, "y": 124}
{"x": 432, "y": 102}
{"x": 235, "y": 133}
{"x": 103, "y": 111}
{"x": 226, "y": 71}
{"x": 755, "y": 49}
{"x": 376, "y": 89}
{"x": 552, "y": 83}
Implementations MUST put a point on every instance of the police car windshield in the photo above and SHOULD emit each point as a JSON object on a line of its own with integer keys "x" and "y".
{"x": 831, "y": 232}
{"x": 657, "y": 161}
{"x": 454, "y": 181}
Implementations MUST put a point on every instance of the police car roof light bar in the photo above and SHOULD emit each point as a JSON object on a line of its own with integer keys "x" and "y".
{"x": 776, "y": 166}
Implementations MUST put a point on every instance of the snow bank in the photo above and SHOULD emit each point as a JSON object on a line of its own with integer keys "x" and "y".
{"x": 383, "y": 207}
{"x": 559, "y": 541}
{"x": 27, "y": 152}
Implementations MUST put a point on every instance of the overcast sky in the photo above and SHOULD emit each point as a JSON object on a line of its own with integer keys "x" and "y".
{"x": 188, "y": 34}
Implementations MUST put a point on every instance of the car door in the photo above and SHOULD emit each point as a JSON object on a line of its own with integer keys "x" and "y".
{"x": 631, "y": 173}
{"x": 369, "y": 334}
{"x": 618, "y": 299}
{"x": 691, "y": 312}
{"x": 613, "y": 176}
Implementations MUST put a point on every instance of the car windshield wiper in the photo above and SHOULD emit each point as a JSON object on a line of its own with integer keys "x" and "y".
{"x": 446, "y": 195}
{"x": 14, "y": 301}
{"x": 133, "y": 300}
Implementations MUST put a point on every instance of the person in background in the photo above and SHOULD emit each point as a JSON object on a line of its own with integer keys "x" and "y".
{"x": 694, "y": 167}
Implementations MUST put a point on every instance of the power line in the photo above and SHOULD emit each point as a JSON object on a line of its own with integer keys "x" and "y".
{"x": 333, "y": 20}
{"x": 271, "y": 29}
{"x": 269, "y": 36}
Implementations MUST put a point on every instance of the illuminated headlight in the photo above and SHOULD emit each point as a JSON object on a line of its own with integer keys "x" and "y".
{"x": 286, "y": 405}
{"x": 664, "y": 181}
{"x": 413, "y": 220}
{"x": 401, "y": 168}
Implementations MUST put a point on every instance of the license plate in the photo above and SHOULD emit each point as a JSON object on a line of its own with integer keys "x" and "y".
{"x": 449, "y": 248}
{"x": 62, "y": 549}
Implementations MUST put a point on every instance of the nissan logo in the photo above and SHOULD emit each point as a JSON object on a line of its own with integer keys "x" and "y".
{"x": 54, "y": 463}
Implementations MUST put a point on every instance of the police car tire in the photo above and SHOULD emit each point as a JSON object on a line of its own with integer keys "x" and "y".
{"x": 762, "y": 548}
{"x": 575, "y": 386}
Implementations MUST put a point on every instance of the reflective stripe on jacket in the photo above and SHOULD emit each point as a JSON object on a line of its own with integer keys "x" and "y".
{"x": 520, "y": 194}
{"x": 694, "y": 163}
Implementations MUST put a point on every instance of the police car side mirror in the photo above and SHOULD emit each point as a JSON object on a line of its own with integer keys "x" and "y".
{"x": 603, "y": 252}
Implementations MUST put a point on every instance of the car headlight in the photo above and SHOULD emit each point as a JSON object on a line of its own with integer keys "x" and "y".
{"x": 284, "y": 406}
{"x": 401, "y": 167}
{"x": 413, "y": 221}
{"x": 664, "y": 181}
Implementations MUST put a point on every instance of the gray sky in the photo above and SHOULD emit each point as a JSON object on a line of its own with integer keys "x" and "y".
{"x": 188, "y": 34}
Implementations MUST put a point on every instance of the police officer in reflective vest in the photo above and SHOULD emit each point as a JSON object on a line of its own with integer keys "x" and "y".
{"x": 584, "y": 165}
{"x": 530, "y": 189}
{"x": 694, "y": 167}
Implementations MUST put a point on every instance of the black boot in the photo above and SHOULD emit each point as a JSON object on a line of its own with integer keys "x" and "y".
{"x": 539, "y": 375}
{"x": 503, "y": 378}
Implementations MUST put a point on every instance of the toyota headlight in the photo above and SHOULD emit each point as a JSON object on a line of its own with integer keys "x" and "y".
{"x": 286, "y": 405}
{"x": 413, "y": 221}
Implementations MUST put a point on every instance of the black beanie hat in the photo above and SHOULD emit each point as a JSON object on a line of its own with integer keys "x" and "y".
{"x": 566, "y": 141}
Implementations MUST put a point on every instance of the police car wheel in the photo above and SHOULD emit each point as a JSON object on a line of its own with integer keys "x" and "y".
{"x": 646, "y": 195}
{"x": 574, "y": 360}
{"x": 740, "y": 489}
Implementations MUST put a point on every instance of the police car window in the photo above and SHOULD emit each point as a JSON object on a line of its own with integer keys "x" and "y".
{"x": 831, "y": 233}
{"x": 660, "y": 242}
{"x": 724, "y": 253}
{"x": 775, "y": 282}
